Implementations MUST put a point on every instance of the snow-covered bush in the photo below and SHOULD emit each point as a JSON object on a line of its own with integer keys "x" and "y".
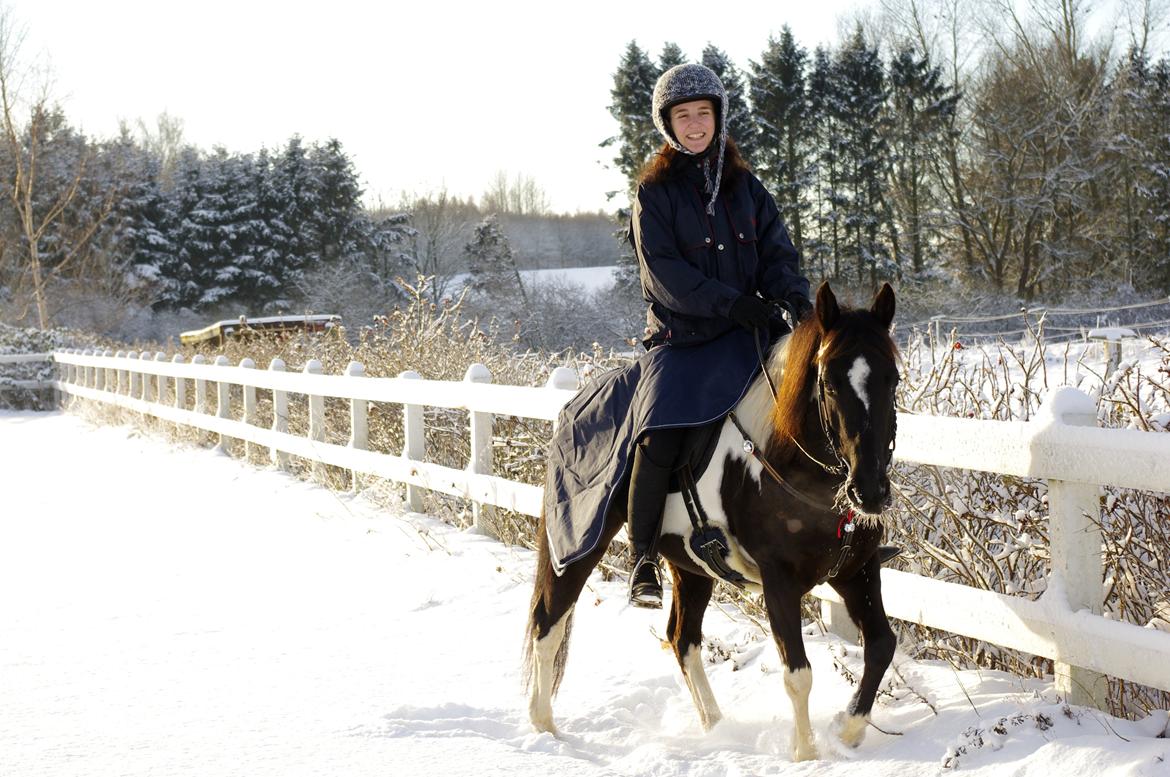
{"x": 16, "y": 340}
{"x": 990, "y": 531}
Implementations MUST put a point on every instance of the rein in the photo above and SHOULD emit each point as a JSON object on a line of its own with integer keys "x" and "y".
{"x": 845, "y": 525}
{"x": 749, "y": 447}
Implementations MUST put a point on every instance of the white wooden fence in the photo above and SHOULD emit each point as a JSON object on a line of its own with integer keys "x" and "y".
{"x": 1061, "y": 445}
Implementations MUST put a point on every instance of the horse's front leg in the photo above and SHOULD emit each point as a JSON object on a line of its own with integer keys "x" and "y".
{"x": 783, "y": 602}
{"x": 863, "y": 600}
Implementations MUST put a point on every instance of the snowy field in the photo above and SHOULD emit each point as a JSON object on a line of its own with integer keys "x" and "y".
{"x": 592, "y": 279}
{"x": 175, "y": 612}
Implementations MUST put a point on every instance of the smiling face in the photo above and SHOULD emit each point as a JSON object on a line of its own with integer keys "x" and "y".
{"x": 693, "y": 124}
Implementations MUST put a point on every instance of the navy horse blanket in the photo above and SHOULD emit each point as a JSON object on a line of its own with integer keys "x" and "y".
{"x": 590, "y": 453}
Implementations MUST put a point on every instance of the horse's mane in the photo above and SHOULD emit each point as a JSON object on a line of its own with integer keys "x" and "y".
{"x": 792, "y": 365}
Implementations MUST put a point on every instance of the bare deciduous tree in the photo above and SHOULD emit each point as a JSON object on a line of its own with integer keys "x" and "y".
{"x": 521, "y": 196}
{"x": 27, "y": 144}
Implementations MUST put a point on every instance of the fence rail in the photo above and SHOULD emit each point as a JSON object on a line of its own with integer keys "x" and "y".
{"x": 1061, "y": 445}
{"x": 25, "y": 358}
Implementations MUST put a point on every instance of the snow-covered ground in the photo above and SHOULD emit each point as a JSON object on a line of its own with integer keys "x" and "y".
{"x": 173, "y": 611}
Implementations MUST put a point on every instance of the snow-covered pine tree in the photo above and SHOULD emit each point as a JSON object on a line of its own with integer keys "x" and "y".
{"x": 671, "y": 56}
{"x": 1158, "y": 167}
{"x": 339, "y": 195}
{"x": 297, "y": 191}
{"x": 494, "y": 278}
{"x": 212, "y": 223}
{"x": 922, "y": 109}
{"x": 1140, "y": 157}
{"x": 241, "y": 237}
{"x": 784, "y": 156}
{"x": 739, "y": 111}
{"x": 631, "y": 96}
{"x": 180, "y": 275}
{"x": 827, "y": 246}
{"x": 273, "y": 277}
{"x": 146, "y": 221}
{"x": 637, "y": 139}
{"x": 864, "y": 154}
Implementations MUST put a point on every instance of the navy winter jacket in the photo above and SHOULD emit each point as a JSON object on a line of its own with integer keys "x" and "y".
{"x": 694, "y": 265}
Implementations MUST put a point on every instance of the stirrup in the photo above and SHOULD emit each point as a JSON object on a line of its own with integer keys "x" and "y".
{"x": 887, "y": 552}
{"x": 645, "y": 584}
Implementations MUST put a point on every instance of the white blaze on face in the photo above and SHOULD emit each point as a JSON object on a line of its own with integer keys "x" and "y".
{"x": 858, "y": 374}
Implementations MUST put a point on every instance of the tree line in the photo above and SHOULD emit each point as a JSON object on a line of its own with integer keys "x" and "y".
{"x": 145, "y": 219}
{"x": 1037, "y": 164}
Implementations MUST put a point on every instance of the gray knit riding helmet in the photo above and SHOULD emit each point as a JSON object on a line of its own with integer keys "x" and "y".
{"x": 683, "y": 83}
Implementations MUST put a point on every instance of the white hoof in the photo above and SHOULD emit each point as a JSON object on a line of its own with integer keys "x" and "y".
{"x": 850, "y": 729}
{"x": 543, "y": 725}
{"x": 804, "y": 750}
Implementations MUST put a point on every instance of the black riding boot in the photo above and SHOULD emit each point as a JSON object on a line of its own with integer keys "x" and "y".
{"x": 649, "y": 483}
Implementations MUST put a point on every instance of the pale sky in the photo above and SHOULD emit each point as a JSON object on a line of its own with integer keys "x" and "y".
{"x": 420, "y": 94}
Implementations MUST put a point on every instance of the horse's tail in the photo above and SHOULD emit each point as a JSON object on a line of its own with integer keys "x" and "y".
{"x": 542, "y": 615}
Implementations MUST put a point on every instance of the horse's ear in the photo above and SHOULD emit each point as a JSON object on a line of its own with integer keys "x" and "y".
{"x": 883, "y": 305}
{"x": 827, "y": 310}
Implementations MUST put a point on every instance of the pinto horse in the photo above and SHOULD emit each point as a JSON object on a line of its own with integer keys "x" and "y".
{"x": 797, "y": 484}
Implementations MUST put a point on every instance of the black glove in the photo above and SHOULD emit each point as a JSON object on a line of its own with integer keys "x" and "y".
{"x": 798, "y": 307}
{"x": 750, "y": 312}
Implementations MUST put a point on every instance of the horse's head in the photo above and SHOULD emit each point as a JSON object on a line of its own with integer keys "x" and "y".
{"x": 856, "y": 376}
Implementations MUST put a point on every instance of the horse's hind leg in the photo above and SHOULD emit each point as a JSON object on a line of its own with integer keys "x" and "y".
{"x": 550, "y": 620}
{"x": 685, "y": 627}
{"x": 863, "y": 600}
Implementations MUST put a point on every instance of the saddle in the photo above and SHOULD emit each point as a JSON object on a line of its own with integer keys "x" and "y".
{"x": 707, "y": 542}
{"x": 698, "y": 446}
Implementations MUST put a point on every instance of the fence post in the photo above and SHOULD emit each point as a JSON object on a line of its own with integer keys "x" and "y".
{"x": 144, "y": 385}
{"x": 180, "y": 392}
{"x": 83, "y": 373}
{"x": 223, "y": 407}
{"x": 481, "y": 449}
{"x": 1074, "y": 536}
{"x": 837, "y": 621}
{"x": 279, "y": 416}
{"x": 316, "y": 417}
{"x": 111, "y": 380}
{"x": 121, "y": 378}
{"x": 359, "y": 422}
{"x": 99, "y": 375}
{"x": 414, "y": 447}
{"x": 563, "y": 378}
{"x": 200, "y": 385}
{"x": 161, "y": 397}
{"x": 135, "y": 389}
{"x": 249, "y": 407}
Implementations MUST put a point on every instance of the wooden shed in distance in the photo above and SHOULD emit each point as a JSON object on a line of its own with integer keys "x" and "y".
{"x": 220, "y": 331}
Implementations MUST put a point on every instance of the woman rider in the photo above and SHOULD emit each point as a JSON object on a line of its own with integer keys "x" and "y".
{"x": 711, "y": 248}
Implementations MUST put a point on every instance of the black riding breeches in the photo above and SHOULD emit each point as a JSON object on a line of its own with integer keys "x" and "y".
{"x": 655, "y": 456}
